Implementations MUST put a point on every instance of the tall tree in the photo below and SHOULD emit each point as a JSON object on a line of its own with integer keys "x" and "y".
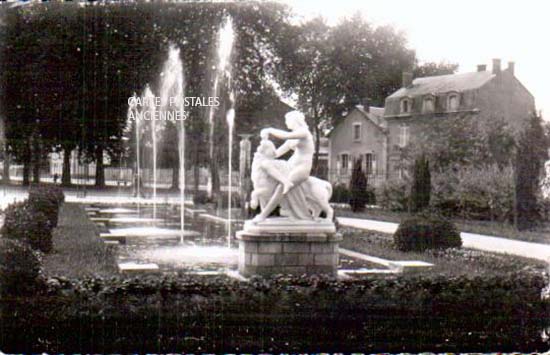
{"x": 309, "y": 73}
{"x": 532, "y": 153}
{"x": 421, "y": 185}
{"x": 332, "y": 69}
{"x": 358, "y": 187}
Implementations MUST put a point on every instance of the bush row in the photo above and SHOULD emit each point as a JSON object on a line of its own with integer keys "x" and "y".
{"x": 342, "y": 194}
{"x": 27, "y": 231}
{"x": 468, "y": 192}
{"x": 283, "y": 314}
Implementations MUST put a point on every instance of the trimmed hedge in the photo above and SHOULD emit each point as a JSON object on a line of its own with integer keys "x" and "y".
{"x": 47, "y": 199}
{"x": 25, "y": 223}
{"x": 19, "y": 267}
{"x": 284, "y": 314}
{"x": 423, "y": 232}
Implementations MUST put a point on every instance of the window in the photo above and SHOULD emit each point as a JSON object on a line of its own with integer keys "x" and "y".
{"x": 357, "y": 131}
{"x": 345, "y": 162}
{"x": 405, "y": 106}
{"x": 452, "y": 102}
{"x": 369, "y": 163}
{"x": 403, "y": 136}
{"x": 428, "y": 104}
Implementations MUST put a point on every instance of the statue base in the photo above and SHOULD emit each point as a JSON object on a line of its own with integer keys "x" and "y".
{"x": 283, "y": 246}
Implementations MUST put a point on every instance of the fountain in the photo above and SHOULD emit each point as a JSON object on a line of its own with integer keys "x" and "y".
{"x": 299, "y": 242}
{"x": 226, "y": 39}
{"x": 133, "y": 119}
{"x": 149, "y": 99}
{"x": 172, "y": 91}
{"x": 224, "y": 46}
{"x": 143, "y": 229}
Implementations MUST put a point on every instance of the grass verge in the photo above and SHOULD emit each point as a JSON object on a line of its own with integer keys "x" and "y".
{"x": 449, "y": 263}
{"x": 78, "y": 251}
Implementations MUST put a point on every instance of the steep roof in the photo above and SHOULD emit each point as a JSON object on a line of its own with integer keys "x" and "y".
{"x": 444, "y": 83}
{"x": 375, "y": 115}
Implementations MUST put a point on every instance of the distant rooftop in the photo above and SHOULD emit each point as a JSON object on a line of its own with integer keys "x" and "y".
{"x": 444, "y": 83}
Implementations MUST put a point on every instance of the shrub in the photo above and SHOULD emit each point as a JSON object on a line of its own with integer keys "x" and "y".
{"x": 426, "y": 232}
{"x": 47, "y": 199}
{"x": 340, "y": 194}
{"x": 200, "y": 198}
{"x": 393, "y": 195}
{"x": 358, "y": 187}
{"x": 19, "y": 267}
{"x": 23, "y": 222}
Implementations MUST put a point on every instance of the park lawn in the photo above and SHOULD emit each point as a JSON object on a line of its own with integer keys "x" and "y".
{"x": 78, "y": 251}
{"x": 539, "y": 234}
{"x": 448, "y": 263}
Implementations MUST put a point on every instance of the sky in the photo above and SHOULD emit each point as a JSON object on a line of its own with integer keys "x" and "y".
{"x": 467, "y": 32}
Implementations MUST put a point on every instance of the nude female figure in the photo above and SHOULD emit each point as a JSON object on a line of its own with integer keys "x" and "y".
{"x": 298, "y": 139}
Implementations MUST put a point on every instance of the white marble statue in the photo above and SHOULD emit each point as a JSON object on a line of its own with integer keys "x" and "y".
{"x": 287, "y": 183}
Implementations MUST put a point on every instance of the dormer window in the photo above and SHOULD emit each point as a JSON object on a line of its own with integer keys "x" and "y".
{"x": 452, "y": 102}
{"x": 428, "y": 104}
{"x": 405, "y": 105}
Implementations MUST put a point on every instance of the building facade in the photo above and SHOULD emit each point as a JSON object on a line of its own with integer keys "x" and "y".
{"x": 361, "y": 135}
{"x": 481, "y": 94}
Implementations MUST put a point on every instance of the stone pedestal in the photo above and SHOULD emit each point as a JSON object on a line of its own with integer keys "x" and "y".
{"x": 281, "y": 246}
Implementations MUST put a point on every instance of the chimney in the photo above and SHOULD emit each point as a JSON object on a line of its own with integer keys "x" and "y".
{"x": 365, "y": 103}
{"x": 481, "y": 67}
{"x": 496, "y": 66}
{"x": 511, "y": 67}
{"x": 407, "y": 79}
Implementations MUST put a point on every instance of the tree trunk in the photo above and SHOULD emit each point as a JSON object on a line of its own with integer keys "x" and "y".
{"x": 26, "y": 173}
{"x": 214, "y": 178}
{"x": 99, "y": 169}
{"x": 196, "y": 178}
{"x": 36, "y": 154}
{"x": 66, "y": 174}
{"x": 7, "y": 161}
{"x": 175, "y": 177}
{"x": 315, "y": 168}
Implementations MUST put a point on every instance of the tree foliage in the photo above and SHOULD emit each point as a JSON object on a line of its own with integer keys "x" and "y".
{"x": 333, "y": 68}
{"x": 532, "y": 153}
{"x": 85, "y": 60}
{"x": 434, "y": 69}
{"x": 458, "y": 141}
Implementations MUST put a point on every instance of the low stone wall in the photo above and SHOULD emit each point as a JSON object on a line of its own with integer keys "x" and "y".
{"x": 284, "y": 253}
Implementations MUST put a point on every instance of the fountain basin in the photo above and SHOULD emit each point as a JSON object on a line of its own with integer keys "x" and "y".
{"x": 117, "y": 210}
{"x": 269, "y": 252}
{"x": 126, "y": 220}
{"x": 122, "y": 234}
